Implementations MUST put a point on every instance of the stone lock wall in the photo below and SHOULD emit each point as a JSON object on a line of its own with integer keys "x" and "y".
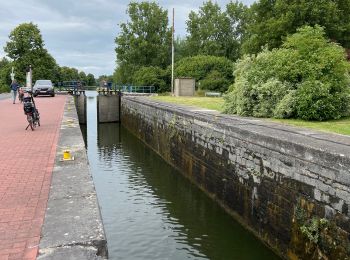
{"x": 289, "y": 186}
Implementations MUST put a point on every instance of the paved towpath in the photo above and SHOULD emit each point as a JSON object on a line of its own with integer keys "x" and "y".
{"x": 26, "y": 164}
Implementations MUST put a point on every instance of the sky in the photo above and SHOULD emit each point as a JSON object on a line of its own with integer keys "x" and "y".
{"x": 81, "y": 33}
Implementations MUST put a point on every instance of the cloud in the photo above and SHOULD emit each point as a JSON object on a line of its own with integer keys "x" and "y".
{"x": 80, "y": 33}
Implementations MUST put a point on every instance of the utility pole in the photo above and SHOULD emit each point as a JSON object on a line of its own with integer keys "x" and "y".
{"x": 12, "y": 74}
{"x": 172, "y": 54}
{"x": 29, "y": 78}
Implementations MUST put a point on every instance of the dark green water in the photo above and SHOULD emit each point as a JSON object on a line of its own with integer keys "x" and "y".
{"x": 150, "y": 211}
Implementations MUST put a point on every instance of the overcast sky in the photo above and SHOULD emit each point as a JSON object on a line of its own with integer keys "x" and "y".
{"x": 81, "y": 33}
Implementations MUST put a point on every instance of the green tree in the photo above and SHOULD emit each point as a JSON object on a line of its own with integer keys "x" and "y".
{"x": 273, "y": 20}
{"x": 216, "y": 32}
{"x": 144, "y": 40}
{"x": 82, "y": 76}
{"x": 123, "y": 74}
{"x": 90, "y": 78}
{"x": 25, "y": 48}
{"x": 210, "y": 32}
{"x": 239, "y": 16}
{"x": 108, "y": 78}
{"x": 151, "y": 76}
{"x": 307, "y": 78}
{"x": 211, "y": 72}
{"x": 5, "y": 80}
{"x": 182, "y": 48}
{"x": 68, "y": 74}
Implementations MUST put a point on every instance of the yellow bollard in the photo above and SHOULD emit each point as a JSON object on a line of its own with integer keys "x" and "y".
{"x": 67, "y": 155}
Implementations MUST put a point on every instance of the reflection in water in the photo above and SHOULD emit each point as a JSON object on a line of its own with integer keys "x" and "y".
{"x": 150, "y": 211}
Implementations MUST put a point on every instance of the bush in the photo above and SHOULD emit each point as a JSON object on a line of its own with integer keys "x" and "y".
{"x": 151, "y": 76}
{"x": 315, "y": 101}
{"x": 4, "y": 89}
{"x": 308, "y": 78}
{"x": 211, "y": 72}
{"x": 5, "y": 80}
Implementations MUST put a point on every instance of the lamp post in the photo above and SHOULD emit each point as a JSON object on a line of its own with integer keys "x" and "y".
{"x": 12, "y": 74}
{"x": 29, "y": 78}
{"x": 172, "y": 54}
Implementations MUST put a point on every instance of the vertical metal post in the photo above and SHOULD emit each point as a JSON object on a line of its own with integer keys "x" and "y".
{"x": 172, "y": 54}
{"x": 29, "y": 78}
{"x": 12, "y": 74}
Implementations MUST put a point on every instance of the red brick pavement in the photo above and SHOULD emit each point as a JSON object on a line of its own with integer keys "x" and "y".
{"x": 26, "y": 164}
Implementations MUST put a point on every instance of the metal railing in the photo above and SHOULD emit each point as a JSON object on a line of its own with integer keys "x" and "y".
{"x": 136, "y": 89}
{"x": 73, "y": 85}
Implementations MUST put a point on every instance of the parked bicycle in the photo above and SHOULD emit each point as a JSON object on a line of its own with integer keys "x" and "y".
{"x": 30, "y": 110}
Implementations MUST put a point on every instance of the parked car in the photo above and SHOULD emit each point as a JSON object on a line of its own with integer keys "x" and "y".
{"x": 43, "y": 87}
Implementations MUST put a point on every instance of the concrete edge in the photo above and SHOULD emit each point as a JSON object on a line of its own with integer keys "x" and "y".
{"x": 73, "y": 227}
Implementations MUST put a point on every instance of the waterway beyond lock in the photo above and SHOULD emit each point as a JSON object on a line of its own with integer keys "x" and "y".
{"x": 151, "y": 211}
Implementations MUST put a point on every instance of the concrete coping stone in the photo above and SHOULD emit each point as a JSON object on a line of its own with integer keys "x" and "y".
{"x": 73, "y": 227}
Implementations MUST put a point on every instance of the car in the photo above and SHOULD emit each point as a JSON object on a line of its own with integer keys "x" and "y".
{"x": 26, "y": 89}
{"x": 43, "y": 87}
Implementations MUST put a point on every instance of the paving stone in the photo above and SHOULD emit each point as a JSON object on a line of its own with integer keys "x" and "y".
{"x": 26, "y": 164}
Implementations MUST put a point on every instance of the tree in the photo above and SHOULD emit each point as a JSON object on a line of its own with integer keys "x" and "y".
{"x": 211, "y": 72}
{"x": 144, "y": 40}
{"x": 209, "y": 32}
{"x": 182, "y": 48}
{"x": 123, "y": 74}
{"x": 151, "y": 76}
{"x": 239, "y": 16}
{"x": 82, "y": 76}
{"x": 5, "y": 80}
{"x": 90, "y": 80}
{"x": 215, "y": 32}
{"x": 273, "y": 20}
{"x": 307, "y": 78}
{"x": 68, "y": 74}
{"x": 108, "y": 78}
{"x": 25, "y": 48}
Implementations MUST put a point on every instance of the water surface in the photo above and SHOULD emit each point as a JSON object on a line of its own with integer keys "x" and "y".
{"x": 150, "y": 211}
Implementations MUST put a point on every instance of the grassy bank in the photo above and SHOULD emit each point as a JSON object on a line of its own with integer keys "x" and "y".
{"x": 341, "y": 126}
{"x": 214, "y": 103}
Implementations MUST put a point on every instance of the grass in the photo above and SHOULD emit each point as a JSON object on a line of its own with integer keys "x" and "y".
{"x": 214, "y": 103}
{"x": 340, "y": 126}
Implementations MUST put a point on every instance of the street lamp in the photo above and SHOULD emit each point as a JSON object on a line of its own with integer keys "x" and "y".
{"x": 29, "y": 78}
{"x": 12, "y": 74}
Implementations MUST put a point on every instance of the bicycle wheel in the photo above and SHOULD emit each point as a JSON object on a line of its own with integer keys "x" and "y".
{"x": 30, "y": 121}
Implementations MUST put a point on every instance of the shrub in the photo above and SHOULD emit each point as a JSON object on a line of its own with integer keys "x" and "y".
{"x": 5, "y": 80}
{"x": 151, "y": 76}
{"x": 211, "y": 72}
{"x": 215, "y": 81}
{"x": 308, "y": 78}
{"x": 4, "y": 89}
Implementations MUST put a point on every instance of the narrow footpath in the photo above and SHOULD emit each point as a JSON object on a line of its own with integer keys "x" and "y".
{"x": 26, "y": 164}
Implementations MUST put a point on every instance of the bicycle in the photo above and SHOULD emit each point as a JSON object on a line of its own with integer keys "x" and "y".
{"x": 30, "y": 110}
